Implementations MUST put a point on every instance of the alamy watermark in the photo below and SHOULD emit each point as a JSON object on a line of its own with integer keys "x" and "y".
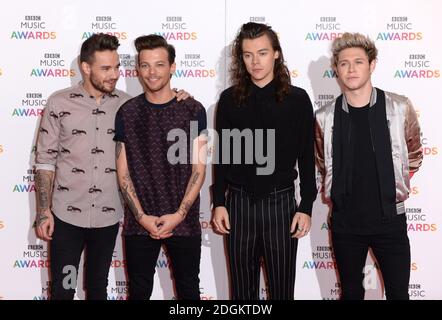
{"x": 259, "y": 147}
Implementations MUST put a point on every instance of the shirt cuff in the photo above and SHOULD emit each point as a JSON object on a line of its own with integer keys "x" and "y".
{"x": 305, "y": 207}
{"x": 44, "y": 166}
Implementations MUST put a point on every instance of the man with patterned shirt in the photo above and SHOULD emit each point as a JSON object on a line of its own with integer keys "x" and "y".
{"x": 161, "y": 194}
{"x": 78, "y": 203}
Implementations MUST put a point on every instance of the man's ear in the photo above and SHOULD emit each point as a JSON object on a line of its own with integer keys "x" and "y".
{"x": 276, "y": 55}
{"x": 86, "y": 68}
{"x": 372, "y": 66}
{"x": 172, "y": 69}
{"x": 335, "y": 70}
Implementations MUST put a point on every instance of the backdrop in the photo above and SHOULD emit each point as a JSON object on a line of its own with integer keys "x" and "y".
{"x": 40, "y": 42}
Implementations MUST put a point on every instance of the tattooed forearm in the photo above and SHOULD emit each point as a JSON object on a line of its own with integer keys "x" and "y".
{"x": 195, "y": 178}
{"x": 126, "y": 184}
{"x": 192, "y": 182}
{"x": 129, "y": 194}
{"x": 193, "y": 188}
{"x": 118, "y": 148}
{"x": 43, "y": 186}
{"x": 138, "y": 215}
{"x": 185, "y": 207}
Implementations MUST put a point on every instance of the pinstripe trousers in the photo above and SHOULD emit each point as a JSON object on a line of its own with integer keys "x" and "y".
{"x": 261, "y": 228}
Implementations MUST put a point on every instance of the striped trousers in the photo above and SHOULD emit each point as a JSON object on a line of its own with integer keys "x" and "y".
{"x": 261, "y": 228}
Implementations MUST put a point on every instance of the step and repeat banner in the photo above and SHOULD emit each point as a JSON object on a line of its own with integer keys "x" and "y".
{"x": 40, "y": 42}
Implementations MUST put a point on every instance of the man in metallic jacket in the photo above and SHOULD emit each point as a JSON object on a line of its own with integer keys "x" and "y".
{"x": 367, "y": 148}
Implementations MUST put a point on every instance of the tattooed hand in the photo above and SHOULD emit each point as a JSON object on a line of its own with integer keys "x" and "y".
{"x": 44, "y": 225}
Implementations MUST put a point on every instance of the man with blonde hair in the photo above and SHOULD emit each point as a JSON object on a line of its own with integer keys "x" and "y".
{"x": 367, "y": 148}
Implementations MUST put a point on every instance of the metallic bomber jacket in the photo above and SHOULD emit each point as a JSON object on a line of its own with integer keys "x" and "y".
{"x": 404, "y": 134}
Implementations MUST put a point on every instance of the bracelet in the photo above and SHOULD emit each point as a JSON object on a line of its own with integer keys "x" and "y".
{"x": 182, "y": 212}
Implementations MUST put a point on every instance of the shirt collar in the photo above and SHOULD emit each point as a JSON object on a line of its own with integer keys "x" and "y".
{"x": 268, "y": 89}
{"x": 373, "y": 99}
{"x": 80, "y": 91}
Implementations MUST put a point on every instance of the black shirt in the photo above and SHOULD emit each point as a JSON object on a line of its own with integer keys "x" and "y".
{"x": 292, "y": 121}
{"x": 363, "y": 205}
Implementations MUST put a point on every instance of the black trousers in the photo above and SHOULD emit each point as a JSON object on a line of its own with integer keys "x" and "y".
{"x": 392, "y": 251}
{"x": 141, "y": 258}
{"x": 66, "y": 246}
{"x": 261, "y": 228}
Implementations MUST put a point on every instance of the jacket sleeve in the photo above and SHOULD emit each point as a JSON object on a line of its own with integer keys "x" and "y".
{"x": 319, "y": 147}
{"x": 413, "y": 138}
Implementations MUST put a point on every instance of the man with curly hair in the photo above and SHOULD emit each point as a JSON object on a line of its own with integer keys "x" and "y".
{"x": 260, "y": 215}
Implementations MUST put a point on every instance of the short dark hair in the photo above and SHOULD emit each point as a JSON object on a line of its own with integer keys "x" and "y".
{"x": 154, "y": 41}
{"x": 97, "y": 42}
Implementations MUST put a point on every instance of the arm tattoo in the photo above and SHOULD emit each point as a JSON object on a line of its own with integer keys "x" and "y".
{"x": 130, "y": 195}
{"x": 184, "y": 208}
{"x": 40, "y": 219}
{"x": 118, "y": 148}
{"x": 186, "y": 204}
{"x": 193, "y": 181}
{"x": 195, "y": 178}
{"x": 43, "y": 185}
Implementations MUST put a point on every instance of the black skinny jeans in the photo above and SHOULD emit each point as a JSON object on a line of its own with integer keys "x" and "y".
{"x": 392, "y": 251}
{"x": 66, "y": 246}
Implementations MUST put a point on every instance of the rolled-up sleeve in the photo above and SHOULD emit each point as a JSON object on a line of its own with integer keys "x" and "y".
{"x": 48, "y": 138}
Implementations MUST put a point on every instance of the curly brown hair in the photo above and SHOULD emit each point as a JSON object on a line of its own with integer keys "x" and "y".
{"x": 239, "y": 75}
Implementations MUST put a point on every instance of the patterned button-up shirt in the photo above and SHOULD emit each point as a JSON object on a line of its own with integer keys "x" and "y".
{"x": 76, "y": 141}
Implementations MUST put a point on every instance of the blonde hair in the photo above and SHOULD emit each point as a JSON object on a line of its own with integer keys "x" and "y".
{"x": 354, "y": 40}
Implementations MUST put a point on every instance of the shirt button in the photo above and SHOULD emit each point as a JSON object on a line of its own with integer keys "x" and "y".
{"x": 95, "y": 167}
{"x": 93, "y": 205}
{"x": 96, "y": 128}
